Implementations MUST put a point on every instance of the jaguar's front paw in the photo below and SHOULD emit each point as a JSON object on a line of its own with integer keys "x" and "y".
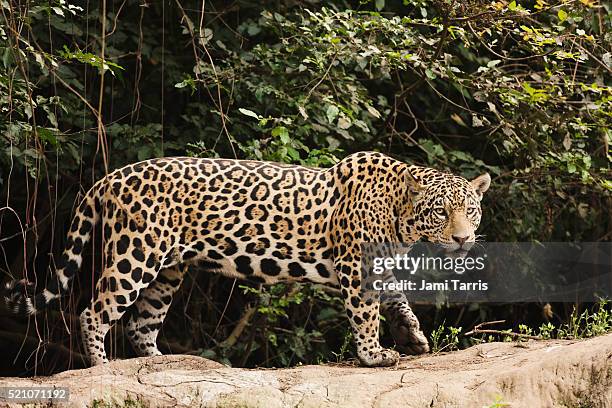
{"x": 379, "y": 357}
{"x": 409, "y": 340}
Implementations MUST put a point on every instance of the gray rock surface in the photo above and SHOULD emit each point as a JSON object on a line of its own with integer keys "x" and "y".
{"x": 535, "y": 374}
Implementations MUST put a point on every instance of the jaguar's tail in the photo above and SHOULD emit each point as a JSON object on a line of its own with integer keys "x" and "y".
{"x": 21, "y": 297}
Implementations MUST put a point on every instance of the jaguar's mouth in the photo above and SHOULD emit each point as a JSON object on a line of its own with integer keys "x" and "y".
{"x": 455, "y": 250}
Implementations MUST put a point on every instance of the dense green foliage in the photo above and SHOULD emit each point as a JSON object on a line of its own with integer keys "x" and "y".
{"x": 519, "y": 89}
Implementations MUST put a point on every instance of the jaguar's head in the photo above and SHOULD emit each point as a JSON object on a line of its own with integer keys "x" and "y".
{"x": 445, "y": 209}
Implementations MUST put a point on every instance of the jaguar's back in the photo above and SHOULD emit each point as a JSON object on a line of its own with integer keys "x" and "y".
{"x": 248, "y": 219}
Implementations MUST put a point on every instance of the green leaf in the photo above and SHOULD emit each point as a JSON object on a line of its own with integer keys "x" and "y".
{"x": 58, "y": 11}
{"x": 458, "y": 154}
{"x": 295, "y": 155}
{"x": 248, "y": 113}
{"x": 344, "y": 122}
{"x": 373, "y": 111}
{"x": 90, "y": 59}
{"x": 587, "y": 161}
{"x": 512, "y": 5}
{"x": 6, "y": 58}
{"x": 380, "y": 4}
{"x": 27, "y": 109}
{"x": 47, "y": 136}
{"x": 331, "y": 113}
{"x": 282, "y": 133}
{"x": 253, "y": 29}
{"x": 188, "y": 82}
{"x": 562, "y": 14}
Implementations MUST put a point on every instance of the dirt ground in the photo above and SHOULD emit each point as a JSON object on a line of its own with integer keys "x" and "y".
{"x": 534, "y": 374}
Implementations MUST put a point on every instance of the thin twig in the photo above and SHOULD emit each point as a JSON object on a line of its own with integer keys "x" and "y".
{"x": 322, "y": 78}
{"x": 480, "y": 325}
{"x": 101, "y": 128}
{"x": 239, "y": 328}
{"x": 478, "y": 330}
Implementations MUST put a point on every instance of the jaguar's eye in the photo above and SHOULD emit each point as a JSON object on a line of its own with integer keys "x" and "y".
{"x": 440, "y": 212}
{"x": 471, "y": 211}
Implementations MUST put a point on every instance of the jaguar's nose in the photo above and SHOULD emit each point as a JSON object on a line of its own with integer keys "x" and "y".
{"x": 460, "y": 240}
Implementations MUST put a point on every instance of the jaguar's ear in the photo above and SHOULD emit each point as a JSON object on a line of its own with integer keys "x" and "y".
{"x": 481, "y": 183}
{"x": 412, "y": 183}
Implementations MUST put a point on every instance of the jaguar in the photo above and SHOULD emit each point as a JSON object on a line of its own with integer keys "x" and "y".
{"x": 261, "y": 221}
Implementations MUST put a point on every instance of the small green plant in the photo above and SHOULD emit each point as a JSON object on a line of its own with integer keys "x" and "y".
{"x": 344, "y": 349}
{"x": 127, "y": 403}
{"x": 575, "y": 323}
{"x": 600, "y": 322}
{"x": 546, "y": 331}
{"x": 279, "y": 145}
{"x": 445, "y": 338}
{"x": 274, "y": 300}
{"x": 588, "y": 324}
{"x": 526, "y": 330}
{"x": 498, "y": 403}
{"x": 267, "y": 334}
{"x": 435, "y": 336}
{"x": 507, "y": 336}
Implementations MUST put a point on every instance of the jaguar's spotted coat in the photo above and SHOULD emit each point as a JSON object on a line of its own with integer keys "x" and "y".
{"x": 262, "y": 221}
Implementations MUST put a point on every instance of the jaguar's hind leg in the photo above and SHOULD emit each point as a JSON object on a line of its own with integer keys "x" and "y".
{"x": 107, "y": 307}
{"x": 129, "y": 269}
{"x": 150, "y": 310}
